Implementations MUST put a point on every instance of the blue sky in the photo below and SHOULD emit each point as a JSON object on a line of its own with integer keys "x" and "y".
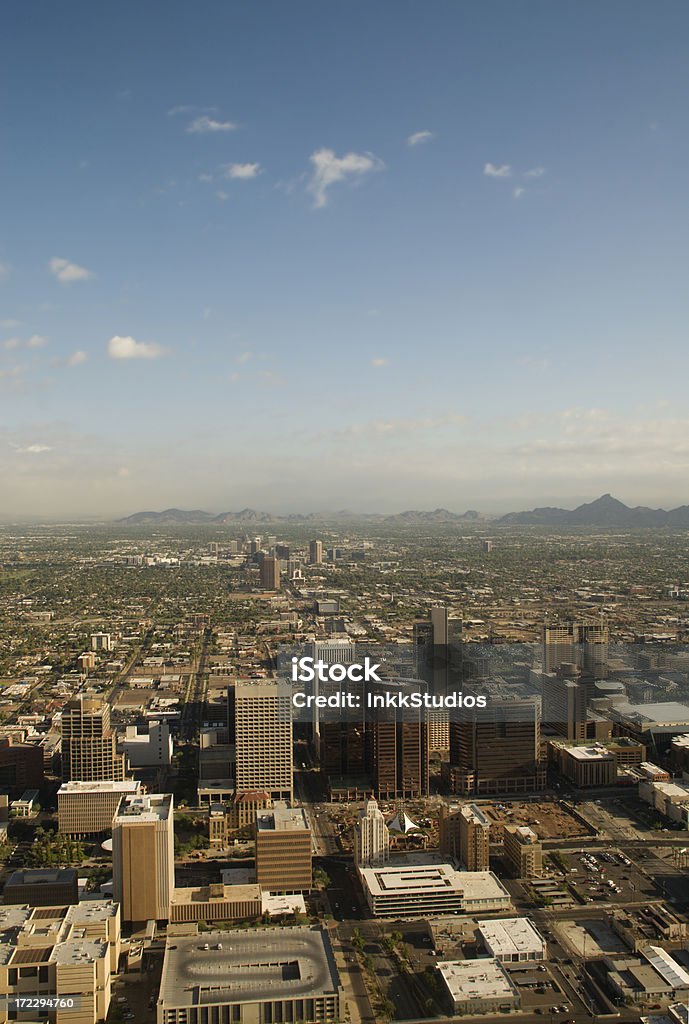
{"x": 307, "y": 255}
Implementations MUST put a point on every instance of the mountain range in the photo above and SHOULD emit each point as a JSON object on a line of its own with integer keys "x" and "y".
{"x": 604, "y": 511}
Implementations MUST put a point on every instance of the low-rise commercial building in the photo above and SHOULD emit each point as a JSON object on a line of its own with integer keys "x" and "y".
{"x": 653, "y": 975}
{"x": 512, "y": 939}
{"x": 41, "y": 887}
{"x": 431, "y": 888}
{"x": 585, "y": 766}
{"x": 216, "y": 902}
{"x": 671, "y": 799}
{"x": 285, "y": 974}
{"x": 478, "y": 986}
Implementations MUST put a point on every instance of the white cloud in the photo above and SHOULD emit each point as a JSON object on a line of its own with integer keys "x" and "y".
{"x": 380, "y": 361}
{"x": 242, "y": 171}
{"x": 245, "y": 357}
{"x": 418, "y": 138}
{"x": 222, "y": 196}
{"x": 5, "y": 269}
{"x": 128, "y": 348}
{"x": 205, "y": 125}
{"x": 495, "y": 171}
{"x": 10, "y": 323}
{"x": 535, "y": 172}
{"x": 329, "y": 169}
{"x": 10, "y": 344}
{"x": 518, "y": 192}
{"x": 67, "y": 272}
{"x": 33, "y": 449}
{"x": 11, "y": 374}
{"x": 37, "y": 341}
{"x": 77, "y": 358}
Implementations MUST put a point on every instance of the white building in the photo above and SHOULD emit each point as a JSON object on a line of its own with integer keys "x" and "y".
{"x": 478, "y": 986}
{"x": 148, "y": 749}
{"x": 431, "y": 888}
{"x": 372, "y": 837}
{"x": 512, "y": 939}
{"x": 101, "y": 642}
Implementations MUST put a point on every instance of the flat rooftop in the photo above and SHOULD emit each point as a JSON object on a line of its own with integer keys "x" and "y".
{"x": 511, "y": 936}
{"x": 431, "y": 879}
{"x": 590, "y": 753}
{"x": 152, "y": 807}
{"x": 216, "y": 893}
{"x": 276, "y": 963}
{"x": 282, "y": 819}
{"x": 42, "y": 876}
{"x": 482, "y": 885}
{"x": 476, "y": 979}
{"x": 125, "y": 786}
{"x": 666, "y": 713}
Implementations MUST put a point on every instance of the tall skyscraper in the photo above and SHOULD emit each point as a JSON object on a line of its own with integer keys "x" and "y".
{"x": 89, "y": 744}
{"x": 372, "y": 838}
{"x": 583, "y": 644}
{"x": 262, "y": 713}
{"x": 564, "y": 705}
{"x": 315, "y": 552}
{"x": 438, "y": 654}
{"x": 496, "y": 749}
{"x": 270, "y": 572}
{"x": 397, "y": 744}
{"x": 143, "y": 857}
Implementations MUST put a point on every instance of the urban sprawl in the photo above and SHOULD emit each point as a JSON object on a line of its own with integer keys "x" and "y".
{"x": 190, "y": 835}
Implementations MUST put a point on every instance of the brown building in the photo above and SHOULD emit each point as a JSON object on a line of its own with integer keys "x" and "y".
{"x": 496, "y": 749}
{"x": 270, "y": 572}
{"x": 315, "y": 552}
{"x": 465, "y": 834}
{"x": 224, "y": 819}
{"x": 585, "y": 766}
{"x": 89, "y": 744}
{"x": 216, "y": 902}
{"x": 283, "y": 850}
{"x": 397, "y": 743}
{"x": 523, "y": 851}
{"x": 143, "y": 857}
{"x": 21, "y": 765}
{"x": 42, "y": 887}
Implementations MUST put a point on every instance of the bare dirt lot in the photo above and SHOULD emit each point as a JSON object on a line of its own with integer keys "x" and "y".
{"x": 548, "y": 820}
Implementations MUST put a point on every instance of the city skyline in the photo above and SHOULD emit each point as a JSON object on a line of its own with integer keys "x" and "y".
{"x": 307, "y": 258}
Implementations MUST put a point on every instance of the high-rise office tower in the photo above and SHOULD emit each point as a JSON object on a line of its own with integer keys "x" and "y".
{"x": 465, "y": 834}
{"x": 397, "y": 752}
{"x": 262, "y": 713}
{"x": 89, "y": 744}
{"x": 339, "y": 738}
{"x": 315, "y": 552}
{"x": 372, "y": 837}
{"x": 584, "y": 644}
{"x": 283, "y": 850}
{"x": 270, "y": 572}
{"x": 143, "y": 857}
{"x": 564, "y": 704}
{"x": 496, "y": 749}
{"x": 438, "y": 654}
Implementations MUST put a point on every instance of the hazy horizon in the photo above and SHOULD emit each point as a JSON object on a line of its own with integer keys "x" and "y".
{"x": 376, "y": 257}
